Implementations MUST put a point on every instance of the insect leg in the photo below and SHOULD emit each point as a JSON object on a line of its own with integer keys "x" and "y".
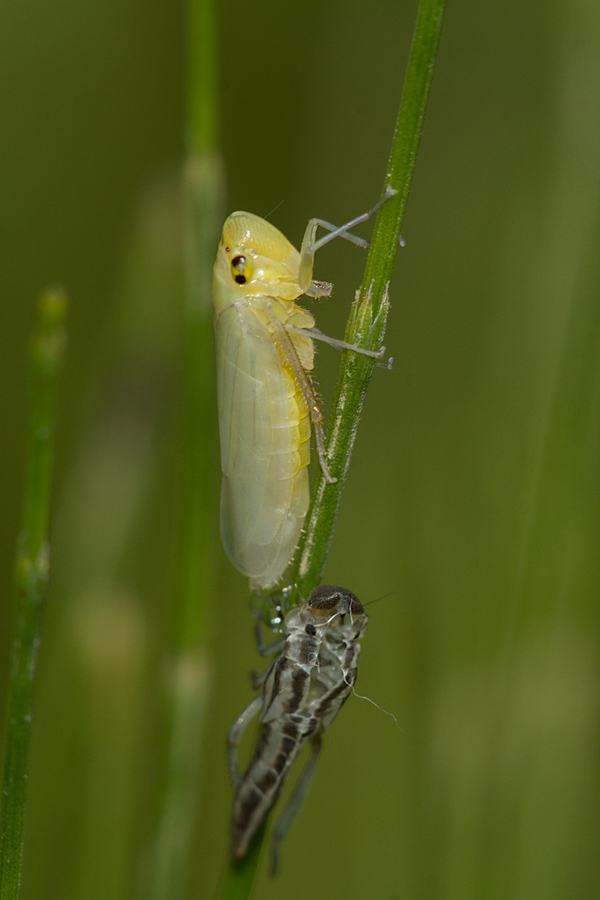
{"x": 343, "y": 229}
{"x": 338, "y": 231}
{"x": 292, "y": 806}
{"x": 233, "y": 739}
{"x": 353, "y": 238}
{"x": 310, "y": 246}
{"x": 316, "y": 416}
{"x": 263, "y": 648}
{"x": 257, "y": 679}
{"x": 317, "y": 335}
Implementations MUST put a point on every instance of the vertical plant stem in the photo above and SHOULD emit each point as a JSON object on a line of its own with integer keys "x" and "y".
{"x": 240, "y": 877}
{"x": 366, "y": 328}
{"x": 203, "y": 201}
{"x": 368, "y": 316}
{"x": 190, "y": 675}
{"x": 31, "y": 583}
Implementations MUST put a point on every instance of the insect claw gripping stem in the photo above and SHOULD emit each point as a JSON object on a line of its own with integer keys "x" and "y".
{"x": 320, "y": 442}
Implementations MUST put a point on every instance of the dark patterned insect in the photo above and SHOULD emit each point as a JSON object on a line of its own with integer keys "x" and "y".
{"x": 304, "y": 689}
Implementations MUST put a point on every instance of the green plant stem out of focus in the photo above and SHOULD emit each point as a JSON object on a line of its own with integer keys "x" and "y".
{"x": 188, "y": 684}
{"x": 31, "y": 582}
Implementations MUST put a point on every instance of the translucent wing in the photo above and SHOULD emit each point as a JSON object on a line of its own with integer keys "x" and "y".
{"x": 265, "y": 434}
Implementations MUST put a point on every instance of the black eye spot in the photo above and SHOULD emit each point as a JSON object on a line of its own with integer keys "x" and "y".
{"x": 239, "y": 263}
{"x": 310, "y": 630}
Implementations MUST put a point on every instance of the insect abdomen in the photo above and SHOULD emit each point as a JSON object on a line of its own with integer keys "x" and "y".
{"x": 277, "y": 748}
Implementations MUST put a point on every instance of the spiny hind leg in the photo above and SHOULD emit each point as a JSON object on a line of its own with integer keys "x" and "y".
{"x": 233, "y": 739}
{"x": 314, "y": 411}
{"x": 294, "y": 803}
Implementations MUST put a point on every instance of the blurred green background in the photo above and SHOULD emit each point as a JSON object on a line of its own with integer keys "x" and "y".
{"x": 473, "y": 498}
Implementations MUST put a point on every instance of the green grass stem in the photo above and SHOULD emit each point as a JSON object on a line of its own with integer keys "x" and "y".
{"x": 190, "y": 673}
{"x": 366, "y": 328}
{"x": 31, "y": 582}
{"x": 369, "y": 312}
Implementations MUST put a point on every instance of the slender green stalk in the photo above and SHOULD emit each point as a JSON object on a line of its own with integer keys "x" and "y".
{"x": 31, "y": 583}
{"x": 366, "y": 328}
{"x": 368, "y": 316}
{"x": 203, "y": 199}
{"x": 240, "y": 877}
{"x": 190, "y": 676}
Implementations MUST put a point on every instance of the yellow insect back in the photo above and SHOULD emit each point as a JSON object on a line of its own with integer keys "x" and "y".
{"x": 265, "y": 396}
{"x": 263, "y": 415}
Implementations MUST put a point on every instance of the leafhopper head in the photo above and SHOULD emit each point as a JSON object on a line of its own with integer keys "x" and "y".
{"x": 254, "y": 259}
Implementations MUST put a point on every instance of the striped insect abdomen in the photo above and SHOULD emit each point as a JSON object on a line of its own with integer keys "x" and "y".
{"x": 277, "y": 748}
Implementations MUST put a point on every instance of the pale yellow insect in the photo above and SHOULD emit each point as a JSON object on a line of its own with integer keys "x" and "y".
{"x": 266, "y": 399}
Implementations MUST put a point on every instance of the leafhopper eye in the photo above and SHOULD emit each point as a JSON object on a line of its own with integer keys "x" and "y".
{"x": 325, "y": 598}
{"x": 240, "y": 269}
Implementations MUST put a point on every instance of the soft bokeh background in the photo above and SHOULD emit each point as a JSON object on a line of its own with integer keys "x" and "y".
{"x": 473, "y": 501}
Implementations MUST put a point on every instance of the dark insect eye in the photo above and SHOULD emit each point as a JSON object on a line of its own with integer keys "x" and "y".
{"x": 310, "y": 630}
{"x": 241, "y": 269}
